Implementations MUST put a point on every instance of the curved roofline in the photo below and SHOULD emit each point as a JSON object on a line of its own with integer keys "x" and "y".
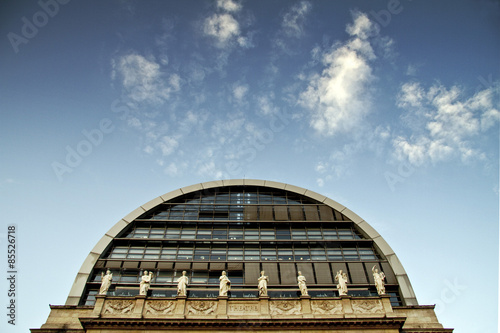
{"x": 81, "y": 278}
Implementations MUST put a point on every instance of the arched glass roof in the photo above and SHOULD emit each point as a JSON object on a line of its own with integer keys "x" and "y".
{"x": 242, "y": 226}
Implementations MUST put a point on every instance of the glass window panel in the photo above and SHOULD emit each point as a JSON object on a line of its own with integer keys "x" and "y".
{"x": 318, "y": 258}
{"x": 151, "y": 256}
{"x": 298, "y": 233}
{"x": 252, "y": 255}
{"x": 173, "y": 233}
{"x": 267, "y": 234}
{"x": 345, "y": 234}
{"x": 164, "y": 277}
{"x": 117, "y": 255}
{"x": 129, "y": 277}
{"x": 188, "y": 234}
{"x": 330, "y": 234}
{"x": 302, "y": 254}
{"x": 268, "y": 254}
{"x": 251, "y": 234}
{"x": 368, "y": 257}
{"x": 220, "y": 234}
{"x": 168, "y": 256}
{"x": 120, "y": 250}
{"x": 218, "y": 257}
{"x": 279, "y": 200}
{"x": 314, "y": 233}
{"x": 199, "y": 277}
{"x": 204, "y": 234}
{"x": 285, "y": 254}
{"x": 235, "y": 233}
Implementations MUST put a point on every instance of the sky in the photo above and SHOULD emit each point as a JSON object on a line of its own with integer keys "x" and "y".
{"x": 390, "y": 108}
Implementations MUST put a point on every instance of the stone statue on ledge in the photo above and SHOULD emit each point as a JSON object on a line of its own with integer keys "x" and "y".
{"x": 379, "y": 280}
{"x": 342, "y": 282}
{"x": 263, "y": 284}
{"x": 224, "y": 285}
{"x": 105, "y": 282}
{"x": 182, "y": 283}
{"x": 301, "y": 281}
{"x": 145, "y": 283}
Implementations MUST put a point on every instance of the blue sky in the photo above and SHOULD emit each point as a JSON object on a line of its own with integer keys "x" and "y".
{"x": 389, "y": 107}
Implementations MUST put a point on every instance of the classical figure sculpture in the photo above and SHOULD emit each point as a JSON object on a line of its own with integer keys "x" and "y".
{"x": 224, "y": 284}
{"x": 342, "y": 280}
{"x": 379, "y": 280}
{"x": 105, "y": 282}
{"x": 145, "y": 283}
{"x": 263, "y": 284}
{"x": 301, "y": 281}
{"x": 182, "y": 283}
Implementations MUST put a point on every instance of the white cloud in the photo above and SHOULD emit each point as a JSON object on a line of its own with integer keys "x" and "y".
{"x": 239, "y": 91}
{"x": 412, "y": 94}
{"x": 167, "y": 145}
{"x": 339, "y": 98}
{"x": 143, "y": 80}
{"x": 294, "y": 20}
{"x": 266, "y": 105}
{"x": 228, "y": 5}
{"x": 172, "y": 170}
{"x": 223, "y": 27}
{"x": 362, "y": 27}
{"x": 451, "y": 122}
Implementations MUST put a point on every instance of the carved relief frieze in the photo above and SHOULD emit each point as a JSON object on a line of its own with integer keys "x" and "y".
{"x": 327, "y": 307}
{"x": 118, "y": 306}
{"x": 285, "y": 308}
{"x": 159, "y": 307}
{"x": 203, "y": 308}
{"x": 367, "y": 306}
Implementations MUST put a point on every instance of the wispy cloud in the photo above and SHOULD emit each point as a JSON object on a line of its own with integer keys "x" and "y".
{"x": 450, "y": 122}
{"x": 224, "y": 28}
{"x": 143, "y": 80}
{"x": 339, "y": 97}
{"x": 229, "y": 5}
{"x": 295, "y": 19}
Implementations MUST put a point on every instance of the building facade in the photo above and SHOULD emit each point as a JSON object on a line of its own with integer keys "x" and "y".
{"x": 237, "y": 255}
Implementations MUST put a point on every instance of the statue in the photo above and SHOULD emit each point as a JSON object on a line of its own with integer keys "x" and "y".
{"x": 224, "y": 284}
{"x": 263, "y": 284}
{"x": 105, "y": 282}
{"x": 379, "y": 280}
{"x": 182, "y": 283}
{"x": 342, "y": 279}
{"x": 145, "y": 283}
{"x": 301, "y": 280}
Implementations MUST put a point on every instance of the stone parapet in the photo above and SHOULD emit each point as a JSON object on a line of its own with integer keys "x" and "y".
{"x": 365, "y": 314}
